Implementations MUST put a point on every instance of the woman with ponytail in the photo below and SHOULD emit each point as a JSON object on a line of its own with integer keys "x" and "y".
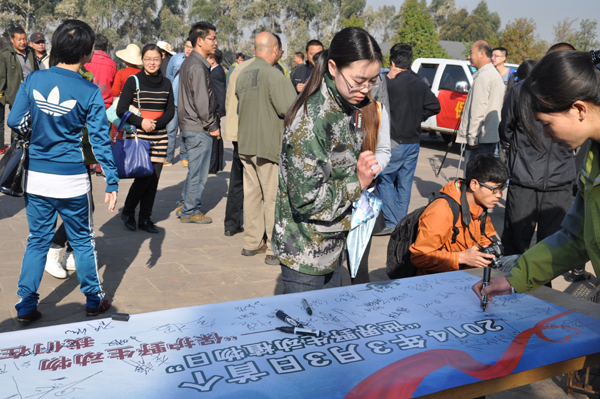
{"x": 563, "y": 94}
{"x": 327, "y": 159}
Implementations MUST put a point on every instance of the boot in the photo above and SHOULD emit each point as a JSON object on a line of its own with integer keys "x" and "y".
{"x": 53, "y": 265}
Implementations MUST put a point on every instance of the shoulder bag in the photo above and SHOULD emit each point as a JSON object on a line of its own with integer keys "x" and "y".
{"x": 132, "y": 156}
{"x": 111, "y": 112}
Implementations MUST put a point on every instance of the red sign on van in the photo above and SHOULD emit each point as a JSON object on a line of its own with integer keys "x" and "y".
{"x": 452, "y": 103}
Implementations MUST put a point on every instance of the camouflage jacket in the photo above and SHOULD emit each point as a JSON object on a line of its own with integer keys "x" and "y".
{"x": 317, "y": 183}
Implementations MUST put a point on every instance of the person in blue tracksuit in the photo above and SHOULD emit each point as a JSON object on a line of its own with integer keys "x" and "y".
{"x": 55, "y": 105}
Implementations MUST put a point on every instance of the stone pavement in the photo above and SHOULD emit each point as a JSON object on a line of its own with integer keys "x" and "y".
{"x": 187, "y": 264}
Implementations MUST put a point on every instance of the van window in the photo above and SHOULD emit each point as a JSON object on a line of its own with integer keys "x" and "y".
{"x": 452, "y": 75}
{"x": 427, "y": 72}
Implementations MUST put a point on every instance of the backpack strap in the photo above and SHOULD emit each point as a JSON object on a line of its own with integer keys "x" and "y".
{"x": 454, "y": 206}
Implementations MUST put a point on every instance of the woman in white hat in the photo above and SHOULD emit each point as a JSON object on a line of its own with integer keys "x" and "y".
{"x": 130, "y": 55}
{"x": 167, "y": 53}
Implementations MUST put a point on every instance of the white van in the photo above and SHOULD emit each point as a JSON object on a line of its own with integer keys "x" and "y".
{"x": 450, "y": 81}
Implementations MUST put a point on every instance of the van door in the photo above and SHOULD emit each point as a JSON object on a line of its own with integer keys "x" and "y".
{"x": 429, "y": 73}
{"x": 452, "y": 94}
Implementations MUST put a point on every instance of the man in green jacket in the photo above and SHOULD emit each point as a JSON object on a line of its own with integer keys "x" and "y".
{"x": 264, "y": 95}
{"x": 16, "y": 62}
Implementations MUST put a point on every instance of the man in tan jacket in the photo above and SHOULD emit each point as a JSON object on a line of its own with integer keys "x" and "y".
{"x": 481, "y": 113}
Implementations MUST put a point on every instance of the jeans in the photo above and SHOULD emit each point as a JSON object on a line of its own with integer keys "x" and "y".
{"x": 198, "y": 146}
{"x": 395, "y": 183}
{"x": 172, "y": 134}
{"x": 294, "y": 281}
{"x": 493, "y": 148}
{"x": 41, "y": 215}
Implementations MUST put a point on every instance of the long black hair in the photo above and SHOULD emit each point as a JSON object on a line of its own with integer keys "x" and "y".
{"x": 555, "y": 83}
{"x": 72, "y": 40}
{"x": 348, "y": 45}
{"x": 522, "y": 73}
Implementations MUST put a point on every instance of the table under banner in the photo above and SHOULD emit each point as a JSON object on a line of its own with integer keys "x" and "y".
{"x": 399, "y": 338}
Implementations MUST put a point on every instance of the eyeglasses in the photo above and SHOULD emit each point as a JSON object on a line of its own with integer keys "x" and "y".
{"x": 150, "y": 60}
{"x": 360, "y": 87}
{"x": 212, "y": 39}
{"x": 189, "y": 47}
{"x": 495, "y": 190}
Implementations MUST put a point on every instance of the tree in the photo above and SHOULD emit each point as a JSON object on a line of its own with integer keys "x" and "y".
{"x": 520, "y": 41}
{"x": 583, "y": 40}
{"x": 418, "y": 31}
{"x": 480, "y": 24}
{"x": 440, "y": 10}
{"x": 353, "y": 22}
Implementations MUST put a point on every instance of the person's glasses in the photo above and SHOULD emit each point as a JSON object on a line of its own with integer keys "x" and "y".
{"x": 189, "y": 47}
{"x": 212, "y": 39}
{"x": 495, "y": 190}
{"x": 362, "y": 86}
{"x": 152, "y": 60}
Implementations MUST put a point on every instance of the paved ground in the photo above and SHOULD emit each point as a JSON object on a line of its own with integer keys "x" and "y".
{"x": 186, "y": 265}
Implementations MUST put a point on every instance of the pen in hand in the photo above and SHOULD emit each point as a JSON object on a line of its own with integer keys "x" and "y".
{"x": 486, "y": 282}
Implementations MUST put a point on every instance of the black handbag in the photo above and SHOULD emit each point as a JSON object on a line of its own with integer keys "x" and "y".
{"x": 12, "y": 168}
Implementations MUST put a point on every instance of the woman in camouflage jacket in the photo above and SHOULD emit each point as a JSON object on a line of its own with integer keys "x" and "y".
{"x": 326, "y": 161}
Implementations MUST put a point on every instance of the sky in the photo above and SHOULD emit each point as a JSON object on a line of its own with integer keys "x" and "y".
{"x": 545, "y": 13}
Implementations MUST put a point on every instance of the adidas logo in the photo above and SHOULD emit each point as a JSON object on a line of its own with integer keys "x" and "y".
{"x": 52, "y": 106}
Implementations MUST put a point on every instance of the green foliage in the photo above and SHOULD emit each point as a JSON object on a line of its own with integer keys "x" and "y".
{"x": 480, "y": 24}
{"x": 520, "y": 41}
{"x": 354, "y": 21}
{"x": 584, "y": 39}
{"x": 418, "y": 31}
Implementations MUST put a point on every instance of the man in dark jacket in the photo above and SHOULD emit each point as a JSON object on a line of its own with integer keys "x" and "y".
{"x": 198, "y": 120}
{"x": 302, "y": 72}
{"x": 16, "y": 62}
{"x": 541, "y": 181}
{"x": 217, "y": 82}
{"x": 411, "y": 103}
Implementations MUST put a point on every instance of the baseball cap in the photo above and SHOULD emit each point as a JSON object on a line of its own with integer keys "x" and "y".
{"x": 37, "y": 37}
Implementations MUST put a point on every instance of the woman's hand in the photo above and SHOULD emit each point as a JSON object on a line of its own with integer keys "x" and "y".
{"x": 111, "y": 200}
{"x": 498, "y": 286}
{"x": 366, "y": 160}
{"x": 148, "y": 125}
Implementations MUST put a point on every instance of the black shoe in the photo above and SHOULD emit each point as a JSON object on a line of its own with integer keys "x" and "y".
{"x": 129, "y": 221}
{"x": 385, "y": 232}
{"x": 104, "y": 306}
{"x": 231, "y": 233}
{"x": 28, "y": 318}
{"x": 576, "y": 276}
{"x": 148, "y": 225}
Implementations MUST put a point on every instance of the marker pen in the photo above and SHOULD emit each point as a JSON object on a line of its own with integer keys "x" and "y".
{"x": 301, "y": 331}
{"x": 284, "y": 317}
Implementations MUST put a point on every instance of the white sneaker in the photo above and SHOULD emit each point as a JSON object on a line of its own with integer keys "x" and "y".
{"x": 69, "y": 261}
{"x": 53, "y": 265}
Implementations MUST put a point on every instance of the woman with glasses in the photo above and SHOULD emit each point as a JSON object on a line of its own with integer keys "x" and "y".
{"x": 157, "y": 109}
{"x": 326, "y": 161}
{"x": 562, "y": 94}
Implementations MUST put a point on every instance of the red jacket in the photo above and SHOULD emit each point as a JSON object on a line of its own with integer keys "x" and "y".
{"x": 104, "y": 70}
{"x": 435, "y": 232}
{"x": 121, "y": 78}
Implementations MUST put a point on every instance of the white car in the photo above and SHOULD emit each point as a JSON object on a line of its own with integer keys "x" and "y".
{"x": 450, "y": 81}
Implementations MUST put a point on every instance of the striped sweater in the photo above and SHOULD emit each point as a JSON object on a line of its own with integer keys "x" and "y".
{"x": 156, "y": 102}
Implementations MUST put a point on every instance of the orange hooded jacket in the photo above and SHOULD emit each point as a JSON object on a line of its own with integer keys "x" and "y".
{"x": 435, "y": 232}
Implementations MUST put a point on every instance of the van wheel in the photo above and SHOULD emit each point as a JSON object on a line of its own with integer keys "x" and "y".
{"x": 448, "y": 138}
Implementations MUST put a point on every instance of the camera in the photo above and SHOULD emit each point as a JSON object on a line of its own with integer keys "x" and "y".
{"x": 495, "y": 249}
{"x": 595, "y": 57}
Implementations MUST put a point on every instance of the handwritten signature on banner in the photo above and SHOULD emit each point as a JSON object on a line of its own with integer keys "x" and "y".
{"x": 373, "y": 331}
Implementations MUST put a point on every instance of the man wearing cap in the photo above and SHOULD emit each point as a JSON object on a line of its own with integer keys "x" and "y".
{"x": 37, "y": 41}
{"x": 16, "y": 62}
{"x": 103, "y": 68}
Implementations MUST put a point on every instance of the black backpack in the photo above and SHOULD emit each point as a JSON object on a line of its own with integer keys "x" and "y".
{"x": 398, "y": 264}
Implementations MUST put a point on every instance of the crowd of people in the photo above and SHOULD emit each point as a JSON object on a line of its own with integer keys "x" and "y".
{"x": 306, "y": 146}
